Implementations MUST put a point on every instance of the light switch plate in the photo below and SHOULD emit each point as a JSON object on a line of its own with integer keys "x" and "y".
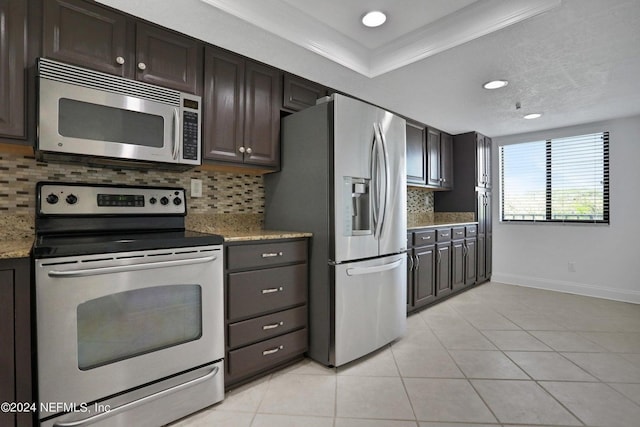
{"x": 196, "y": 188}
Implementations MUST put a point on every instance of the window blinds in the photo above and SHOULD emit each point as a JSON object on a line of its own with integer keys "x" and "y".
{"x": 556, "y": 180}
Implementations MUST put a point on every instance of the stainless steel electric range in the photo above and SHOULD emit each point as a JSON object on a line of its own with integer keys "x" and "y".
{"x": 130, "y": 326}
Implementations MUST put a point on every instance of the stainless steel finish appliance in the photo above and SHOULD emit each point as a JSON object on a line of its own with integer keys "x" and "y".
{"x": 95, "y": 117}
{"x": 129, "y": 307}
{"x": 343, "y": 178}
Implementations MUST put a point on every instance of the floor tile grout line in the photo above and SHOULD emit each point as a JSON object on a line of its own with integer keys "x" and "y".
{"x": 404, "y": 386}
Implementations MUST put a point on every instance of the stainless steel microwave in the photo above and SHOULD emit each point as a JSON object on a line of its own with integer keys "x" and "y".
{"x": 93, "y": 117}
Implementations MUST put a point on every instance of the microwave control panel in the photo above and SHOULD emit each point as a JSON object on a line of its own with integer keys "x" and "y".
{"x": 190, "y": 135}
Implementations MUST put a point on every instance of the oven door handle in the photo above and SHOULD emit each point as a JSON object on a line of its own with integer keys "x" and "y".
{"x": 135, "y": 403}
{"x": 131, "y": 267}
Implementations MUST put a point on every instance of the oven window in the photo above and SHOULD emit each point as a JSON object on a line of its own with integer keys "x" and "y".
{"x": 131, "y": 323}
{"x": 100, "y": 123}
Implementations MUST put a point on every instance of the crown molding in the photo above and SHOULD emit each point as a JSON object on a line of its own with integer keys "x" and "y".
{"x": 476, "y": 20}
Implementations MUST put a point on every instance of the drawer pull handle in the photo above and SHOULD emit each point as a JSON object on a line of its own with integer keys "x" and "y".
{"x": 273, "y": 350}
{"x": 271, "y": 254}
{"x": 459, "y": 233}
{"x": 426, "y": 238}
{"x": 272, "y": 326}
{"x": 272, "y": 290}
{"x": 445, "y": 234}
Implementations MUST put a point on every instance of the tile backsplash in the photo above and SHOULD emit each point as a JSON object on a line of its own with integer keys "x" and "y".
{"x": 419, "y": 200}
{"x": 222, "y": 192}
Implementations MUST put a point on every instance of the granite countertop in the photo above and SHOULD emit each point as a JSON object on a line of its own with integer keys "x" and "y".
{"x": 255, "y": 234}
{"x": 238, "y": 227}
{"x": 16, "y": 248}
{"x": 440, "y": 224}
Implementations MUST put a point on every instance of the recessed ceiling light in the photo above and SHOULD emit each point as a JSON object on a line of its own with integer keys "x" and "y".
{"x": 374, "y": 18}
{"x": 495, "y": 84}
{"x": 532, "y": 116}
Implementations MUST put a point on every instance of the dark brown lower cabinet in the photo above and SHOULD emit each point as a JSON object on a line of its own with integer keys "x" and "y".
{"x": 443, "y": 269}
{"x": 458, "y": 250}
{"x": 421, "y": 279}
{"x": 471, "y": 260}
{"x": 266, "y": 291}
{"x": 440, "y": 262}
{"x": 15, "y": 340}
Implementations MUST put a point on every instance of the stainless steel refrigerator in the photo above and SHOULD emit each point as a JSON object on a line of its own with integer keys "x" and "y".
{"x": 343, "y": 178}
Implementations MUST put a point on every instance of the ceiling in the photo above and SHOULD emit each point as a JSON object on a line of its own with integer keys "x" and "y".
{"x": 575, "y": 61}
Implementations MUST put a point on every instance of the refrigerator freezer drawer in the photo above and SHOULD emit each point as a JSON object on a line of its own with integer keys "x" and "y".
{"x": 370, "y": 306}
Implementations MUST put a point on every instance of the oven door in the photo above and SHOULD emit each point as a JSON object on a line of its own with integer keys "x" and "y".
{"x": 79, "y": 120}
{"x": 108, "y": 323}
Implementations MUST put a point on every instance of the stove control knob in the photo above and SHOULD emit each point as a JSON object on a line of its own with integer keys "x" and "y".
{"x": 153, "y": 200}
{"x": 71, "y": 199}
{"x": 177, "y": 201}
{"x": 164, "y": 201}
{"x": 52, "y": 199}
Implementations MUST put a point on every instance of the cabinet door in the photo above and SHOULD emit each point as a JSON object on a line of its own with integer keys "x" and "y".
{"x": 262, "y": 115}
{"x": 470, "y": 261}
{"x": 13, "y": 14}
{"x": 482, "y": 260}
{"x": 7, "y": 361}
{"x": 410, "y": 264}
{"x": 433, "y": 157}
{"x": 446, "y": 160}
{"x": 443, "y": 269}
{"x": 488, "y": 255}
{"x": 424, "y": 278}
{"x": 482, "y": 213}
{"x": 300, "y": 93}
{"x": 457, "y": 264}
{"x": 487, "y": 162}
{"x": 416, "y": 154}
{"x": 168, "y": 59}
{"x": 86, "y": 34}
{"x": 223, "y": 105}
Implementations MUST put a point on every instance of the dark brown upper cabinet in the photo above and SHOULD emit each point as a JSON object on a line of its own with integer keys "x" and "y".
{"x": 439, "y": 159}
{"x": 416, "y": 154}
{"x": 483, "y": 160}
{"x": 300, "y": 93}
{"x": 89, "y": 35}
{"x": 13, "y": 13}
{"x": 242, "y": 101}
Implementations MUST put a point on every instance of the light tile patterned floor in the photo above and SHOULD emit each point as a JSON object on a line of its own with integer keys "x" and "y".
{"x": 497, "y": 355}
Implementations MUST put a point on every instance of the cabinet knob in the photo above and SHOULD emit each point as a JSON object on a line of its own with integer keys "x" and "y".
{"x": 120, "y": 60}
{"x": 142, "y": 66}
{"x": 241, "y": 149}
{"x": 249, "y": 150}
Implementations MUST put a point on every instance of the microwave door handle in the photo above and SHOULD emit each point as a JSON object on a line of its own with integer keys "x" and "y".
{"x": 176, "y": 133}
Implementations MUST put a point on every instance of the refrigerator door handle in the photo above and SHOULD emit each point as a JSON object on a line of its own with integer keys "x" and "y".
{"x": 380, "y": 174}
{"x": 375, "y": 194}
{"x": 387, "y": 177}
{"x": 359, "y": 271}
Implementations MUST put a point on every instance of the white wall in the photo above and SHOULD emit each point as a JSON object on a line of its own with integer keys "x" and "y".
{"x": 606, "y": 257}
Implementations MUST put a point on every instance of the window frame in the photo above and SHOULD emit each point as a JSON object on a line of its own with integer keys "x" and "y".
{"x": 606, "y": 215}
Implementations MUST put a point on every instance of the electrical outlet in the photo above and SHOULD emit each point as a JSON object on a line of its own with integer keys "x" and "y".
{"x": 196, "y": 188}
{"x": 572, "y": 267}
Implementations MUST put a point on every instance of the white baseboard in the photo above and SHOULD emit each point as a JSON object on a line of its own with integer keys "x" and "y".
{"x": 568, "y": 287}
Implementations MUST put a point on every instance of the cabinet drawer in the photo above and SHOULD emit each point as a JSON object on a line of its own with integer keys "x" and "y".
{"x": 443, "y": 235}
{"x": 253, "y": 358}
{"x": 472, "y": 230}
{"x": 252, "y": 293}
{"x": 271, "y": 325}
{"x": 457, "y": 233}
{"x": 426, "y": 237}
{"x": 266, "y": 254}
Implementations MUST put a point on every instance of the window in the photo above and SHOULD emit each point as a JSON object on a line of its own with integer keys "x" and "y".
{"x": 556, "y": 180}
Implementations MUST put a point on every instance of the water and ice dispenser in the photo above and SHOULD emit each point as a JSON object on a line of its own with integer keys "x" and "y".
{"x": 357, "y": 206}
